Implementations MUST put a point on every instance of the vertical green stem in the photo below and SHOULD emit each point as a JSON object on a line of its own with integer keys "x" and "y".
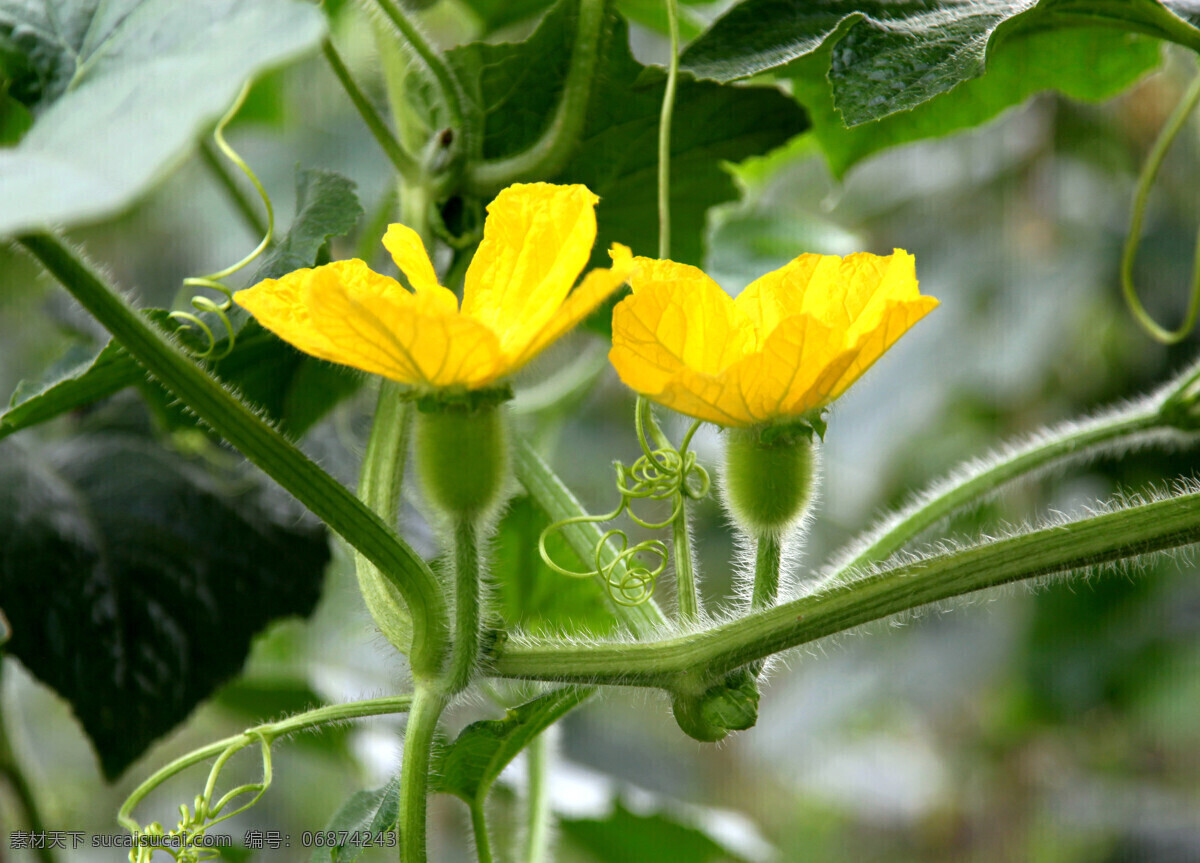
{"x": 379, "y": 482}
{"x": 428, "y": 703}
{"x": 431, "y": 58}
{"x": 11, "y": 770}
{"x": 464, "y": 655}
{"x": 685, "y": 575}
{"x": 483, "y": 845}
{"x": 768, "y": 560}
{"x": 397, "y": 155}
{"x": 664, "y": 136}
{"x": 537, "y": 834}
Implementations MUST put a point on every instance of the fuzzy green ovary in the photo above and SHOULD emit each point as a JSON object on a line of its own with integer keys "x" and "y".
{"x": 462, "y": 458}
{"x": 768, "y": 486}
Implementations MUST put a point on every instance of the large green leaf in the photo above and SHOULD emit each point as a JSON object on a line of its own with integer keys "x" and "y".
{"x": 1087, "y": 63}
{"x": 888, "y": 56}
{"x": 468, "y": 767}
{"x": 530, "y": 594}
{"x": 134, "y": 582}
{"x": 119, "y": 88}
{"x": 512, "y": 91}
{"x": 294, "y": 389}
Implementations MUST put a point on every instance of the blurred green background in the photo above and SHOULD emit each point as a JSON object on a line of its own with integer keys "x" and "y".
{"x": 1052, "y": 725}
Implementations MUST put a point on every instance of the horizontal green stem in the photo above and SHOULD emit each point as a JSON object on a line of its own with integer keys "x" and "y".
{"x": 1116, "y": 536}
{"x": 986, "y": 478}
{"x": 558, "y": 503}
{"x": 264, "y": 446}
{"x": 271, "y": 731}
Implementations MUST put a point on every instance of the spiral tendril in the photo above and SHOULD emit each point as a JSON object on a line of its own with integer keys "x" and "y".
{"x": 184, "y": 843}
{"x": 200, "y": 302}
{"x": 662, "y": 473}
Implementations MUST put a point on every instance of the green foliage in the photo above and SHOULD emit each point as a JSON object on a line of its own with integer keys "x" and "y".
{"x": 1086, "y": 63}
{"x": 625, "y": 835}
{"x": 119, "y": 90}
{"x": 134, "y": 582}
{"x": 890, "y": 57}
{"x": 294, "y": 389}
{"x": 530, "y": 594}
{"x": 468, "y": 766}
{"x": 366, "y": 812}
{"x": 513, "y": 89}
{"x": 326, "y": 207}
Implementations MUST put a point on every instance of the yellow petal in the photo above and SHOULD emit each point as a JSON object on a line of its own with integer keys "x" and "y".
{"x": 777, "y": 295}
{"x": 684, "y": 318}
{"x": 801, "y": 362}
{"x": 410, "y": 256}
{"x": 279, "y": 305}
{"x": 893, "y": 322}
{"x": 591, "y": 292}
{"x": 536, "y": 240}
{"x": 715, "y": 398}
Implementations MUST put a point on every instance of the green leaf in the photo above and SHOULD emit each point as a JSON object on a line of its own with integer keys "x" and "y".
{"x": 886, "y": 57}
{"x": 326, "y": 207}
{"x": 468, "y": 766}
{"x": 294, "y": 389}
{"x": 494, "y": 14}
{"x": 513, "y": 89}
{"x": 134, "y": 582}
{"x": 625, "y": 835}
{"x": 366, "y": 812}
{"x": 534, "y": 597}
{"x": 119, "y": 90}
{"x": 1086, "y": 63}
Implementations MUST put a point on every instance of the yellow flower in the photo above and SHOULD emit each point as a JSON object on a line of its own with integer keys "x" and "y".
{"x": 790, "y": 343}
{"x": 516, "y": 301}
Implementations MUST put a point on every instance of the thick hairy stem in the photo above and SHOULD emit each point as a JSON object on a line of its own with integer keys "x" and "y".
{"x": 483, "y": 844}
{"x": 379, "y": 482}
{"x": 464, "y": 656}
{"x": 427, "y": 706}
{"x": 832, "y": 608}
{"x": 983, "y": 481}
{"x": 768, "y": 564}
{"x": 262, "y": 445}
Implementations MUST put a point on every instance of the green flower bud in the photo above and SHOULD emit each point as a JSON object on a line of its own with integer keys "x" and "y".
{"x": 462, "y": 457}
{"x": 768, "y": 477}
{"x": 731, "y": 705}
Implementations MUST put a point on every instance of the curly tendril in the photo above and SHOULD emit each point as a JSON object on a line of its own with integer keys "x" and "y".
{"x": 212, "y": 281}
{"x": 185, "y": 843}
{"x": 1145, "y": 183}
{"x": 664, "y": 473}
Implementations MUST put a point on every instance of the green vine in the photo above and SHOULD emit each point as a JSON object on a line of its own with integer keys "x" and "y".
{"x": 212, "y": 281}
{"x": 1141, "y": 196}
{"x": 659, "y": 474}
